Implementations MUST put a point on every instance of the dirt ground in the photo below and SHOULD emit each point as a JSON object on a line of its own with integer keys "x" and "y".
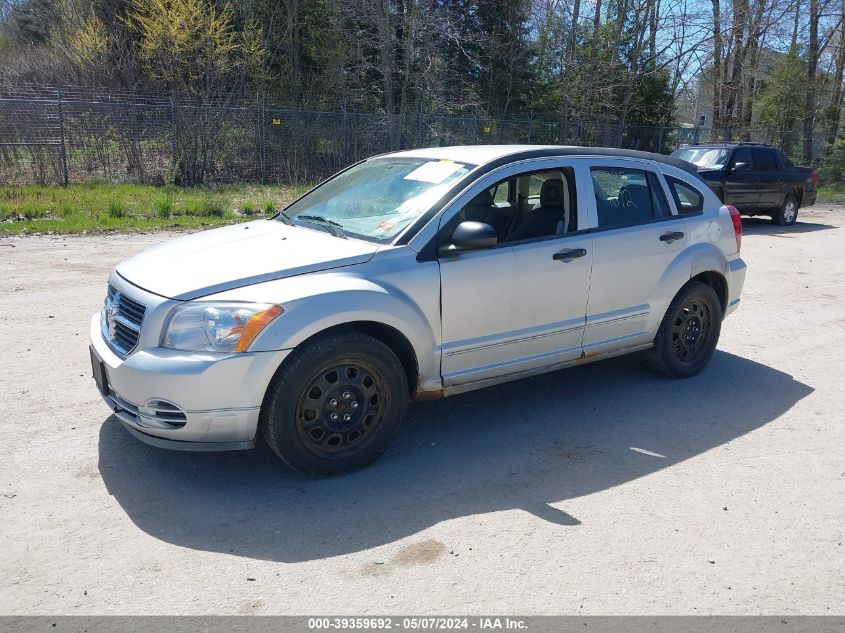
{"x": 602, "y": 489}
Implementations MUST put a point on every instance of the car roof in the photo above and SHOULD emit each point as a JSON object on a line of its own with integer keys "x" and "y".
{"x": 486, "y": 155}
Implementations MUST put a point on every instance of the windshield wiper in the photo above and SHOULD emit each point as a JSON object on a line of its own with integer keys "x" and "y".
{"x": 331, "y": 226}
{"x": 285, "y": 218}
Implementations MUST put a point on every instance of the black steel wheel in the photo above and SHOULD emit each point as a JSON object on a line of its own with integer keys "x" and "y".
{"x": 690, "y": 330}
{"x": 342, "y": 407}
{"x": 688, "y": 333}
{"x": 335, "y": 404}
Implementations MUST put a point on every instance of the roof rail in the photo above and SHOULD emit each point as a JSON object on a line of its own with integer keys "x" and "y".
{"x": 705, "y": 143}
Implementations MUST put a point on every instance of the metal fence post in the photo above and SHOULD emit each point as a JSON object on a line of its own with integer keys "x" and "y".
{"x": 173, "y": 135}
{"x": 62, "y": 137}
{"x": 419, "y": 122}
{"x": 262, "y": 143}
{"x": 344, "y": 130}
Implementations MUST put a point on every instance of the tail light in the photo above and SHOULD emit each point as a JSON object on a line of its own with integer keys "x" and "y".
{"x": 815, "y": 178}
{"x": 737, "y": 221}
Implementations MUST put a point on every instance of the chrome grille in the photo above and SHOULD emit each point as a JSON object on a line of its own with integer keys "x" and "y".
{"x": 121, "y": 322}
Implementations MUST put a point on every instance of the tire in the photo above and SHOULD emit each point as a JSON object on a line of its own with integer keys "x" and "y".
{"x": 348, "y": 375}
{"x": 787, "y": 214}
{"x": 688, "y": 334}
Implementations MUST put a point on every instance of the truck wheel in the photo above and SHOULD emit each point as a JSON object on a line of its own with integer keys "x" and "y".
{"x": 688, "y": 333}
{"x": 336, "y": 404}
{"x": 787, "y": 213}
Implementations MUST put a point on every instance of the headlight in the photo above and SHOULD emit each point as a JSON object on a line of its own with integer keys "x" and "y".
{"x": 217, "y": 327}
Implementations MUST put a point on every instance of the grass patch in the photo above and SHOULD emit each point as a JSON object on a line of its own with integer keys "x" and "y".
{"x": 832, "y": 193}
{"x": 213, "y": 207}
{"x": 116, "y": 209}
{"x": 105, "y": 207}
{"x": 164, "y": 208}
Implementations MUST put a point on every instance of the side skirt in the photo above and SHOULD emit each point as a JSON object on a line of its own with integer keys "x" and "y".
{"x": 472, "y": 386}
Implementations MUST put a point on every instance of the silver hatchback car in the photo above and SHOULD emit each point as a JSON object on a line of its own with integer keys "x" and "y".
{"x": 414, "y": 275}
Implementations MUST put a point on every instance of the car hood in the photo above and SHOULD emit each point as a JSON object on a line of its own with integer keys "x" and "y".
{"x": 709, "y": 173}
{"x": 221, "y": 259}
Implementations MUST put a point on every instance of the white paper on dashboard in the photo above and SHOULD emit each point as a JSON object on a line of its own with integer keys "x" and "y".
{"x": 434, "y": 172}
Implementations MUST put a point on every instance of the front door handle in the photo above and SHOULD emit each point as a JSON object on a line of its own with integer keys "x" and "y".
{"x": 568, "y": 254}
{"x": 671, "y": 237}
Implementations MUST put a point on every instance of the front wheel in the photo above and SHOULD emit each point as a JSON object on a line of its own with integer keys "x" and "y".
{"x": 336, "y": 404}
{"x": 787, "y": 214}
{"x": 688, "y": 333}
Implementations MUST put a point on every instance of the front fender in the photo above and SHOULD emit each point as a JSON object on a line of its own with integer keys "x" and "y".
{"x": 315, "y": 303}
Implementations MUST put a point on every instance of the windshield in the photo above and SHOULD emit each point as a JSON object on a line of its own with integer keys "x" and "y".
{"x": 706, "y": 157}
{"x": 378, "y": 198}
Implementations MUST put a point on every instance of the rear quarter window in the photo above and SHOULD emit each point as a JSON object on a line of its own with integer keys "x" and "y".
{"x": 687, "y": 198}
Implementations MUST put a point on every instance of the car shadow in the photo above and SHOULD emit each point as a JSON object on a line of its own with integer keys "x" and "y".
{"x": 764, "y": 226}
{"x": 523, "y": 445}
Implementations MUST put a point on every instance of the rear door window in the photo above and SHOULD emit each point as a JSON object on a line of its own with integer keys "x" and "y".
{"x": 658, "y": 198}
{"x": 764, "y": 160}
{"x": 625, "y": 197}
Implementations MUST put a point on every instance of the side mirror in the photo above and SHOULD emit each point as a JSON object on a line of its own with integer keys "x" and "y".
{"x": 470, "y": 236}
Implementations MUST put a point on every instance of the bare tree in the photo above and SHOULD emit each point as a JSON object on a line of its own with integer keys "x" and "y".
{"x": 812, "y": 64}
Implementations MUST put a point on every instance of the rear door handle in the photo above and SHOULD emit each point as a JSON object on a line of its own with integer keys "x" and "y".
{"x": 568, "y": 254}
{"x": 671, "y": 237}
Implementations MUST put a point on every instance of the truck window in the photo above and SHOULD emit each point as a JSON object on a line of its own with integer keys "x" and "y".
{"x": 706, "y": 157}
{"x": 742, "y": 160}
{"x": 764, "y": 160}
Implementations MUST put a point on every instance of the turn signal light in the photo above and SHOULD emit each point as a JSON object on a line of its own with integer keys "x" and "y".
{"x": 254, "y": 326}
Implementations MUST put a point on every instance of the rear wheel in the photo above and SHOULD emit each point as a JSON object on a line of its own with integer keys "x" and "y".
{"x": 336, "y": 404}
{"x": 688, "y": 333}
{"x": 787, "y": 214}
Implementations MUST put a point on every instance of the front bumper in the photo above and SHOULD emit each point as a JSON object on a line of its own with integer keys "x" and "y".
{"x": 187, "y": 401}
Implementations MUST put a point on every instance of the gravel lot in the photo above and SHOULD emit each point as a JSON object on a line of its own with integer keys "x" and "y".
{"x": 602, "y": 489}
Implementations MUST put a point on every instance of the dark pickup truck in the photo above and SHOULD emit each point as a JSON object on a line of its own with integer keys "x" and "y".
{"x": 756, "y": 179}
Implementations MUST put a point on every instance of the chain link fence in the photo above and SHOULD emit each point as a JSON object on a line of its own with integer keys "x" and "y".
{"x": 53, "y": 135}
